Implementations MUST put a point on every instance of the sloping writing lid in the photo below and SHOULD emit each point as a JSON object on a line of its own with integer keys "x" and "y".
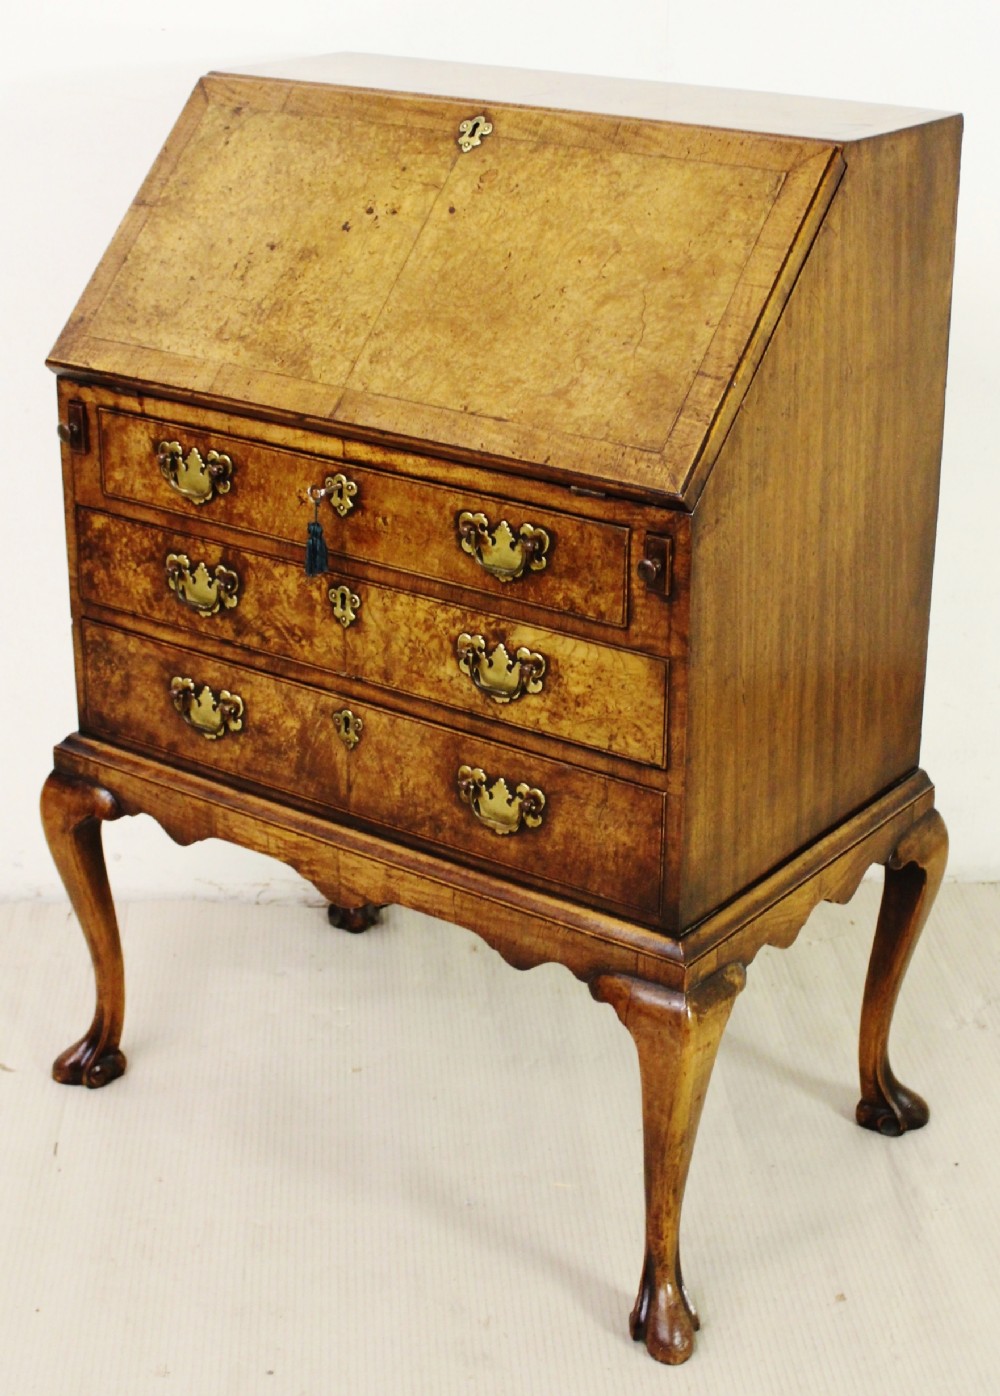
{"x": 585, "y": 294}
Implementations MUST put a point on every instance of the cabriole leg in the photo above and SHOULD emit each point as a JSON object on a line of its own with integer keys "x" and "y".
{"x": 72, "y": 813}
{"x": 676, "y": 1037}
{"x": 912, "y": 877}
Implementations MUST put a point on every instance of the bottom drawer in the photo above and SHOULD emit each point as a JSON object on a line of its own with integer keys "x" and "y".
{"x": 478, "y": 801}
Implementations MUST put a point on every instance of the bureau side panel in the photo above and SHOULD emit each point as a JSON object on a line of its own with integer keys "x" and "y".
{"x": 813, "y": 542}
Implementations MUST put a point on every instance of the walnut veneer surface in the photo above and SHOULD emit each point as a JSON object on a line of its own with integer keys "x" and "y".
{"x": 623, "y": 431}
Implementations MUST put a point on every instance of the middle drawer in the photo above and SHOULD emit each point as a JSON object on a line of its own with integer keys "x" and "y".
{"x": 591, "y": 694}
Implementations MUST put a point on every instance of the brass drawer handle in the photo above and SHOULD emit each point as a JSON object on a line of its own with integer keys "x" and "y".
{"x": 497, "y": 675}
{"x": 212, "y": 717}
{"x": 197, "y": 478}
{"x": 500, "y": 551}
{"x": 493, "y": 804}
{"x": 202, "y": 591}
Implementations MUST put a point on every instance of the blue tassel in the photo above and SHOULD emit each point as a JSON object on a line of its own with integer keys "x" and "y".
{"x": 316, "y": 554}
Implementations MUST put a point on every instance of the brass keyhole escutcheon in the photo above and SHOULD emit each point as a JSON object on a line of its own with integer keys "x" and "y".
{"x": 349, "y": 727}
{"x": 345, "y": 603}
{"x": 473, "y": 132}
{"x": 340, "y": 491}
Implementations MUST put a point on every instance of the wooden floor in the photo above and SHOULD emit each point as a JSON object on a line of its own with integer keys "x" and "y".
{"x": 390, "y": 1164}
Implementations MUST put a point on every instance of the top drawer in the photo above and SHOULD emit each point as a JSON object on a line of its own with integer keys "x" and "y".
{"x": 540, "y": 557}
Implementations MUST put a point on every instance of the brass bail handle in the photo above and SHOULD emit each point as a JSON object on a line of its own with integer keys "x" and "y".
{"x": 199, "y": 479}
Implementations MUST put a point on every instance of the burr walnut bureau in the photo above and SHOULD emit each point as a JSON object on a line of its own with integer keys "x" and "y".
{"x": 519, "y": 505}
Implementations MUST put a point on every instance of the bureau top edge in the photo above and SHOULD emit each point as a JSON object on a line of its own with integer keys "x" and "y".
{"x": 766, "y": 113}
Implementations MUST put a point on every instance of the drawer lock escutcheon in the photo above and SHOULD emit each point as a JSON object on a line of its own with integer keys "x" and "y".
{"x": 212, "y": 717}
{"x": 199, "y": 589}
{"x": 341, "y": 493}
{"x": 473, "y": 132}
{"x": 345, "y": 604}
{"x": 493, "y": 804}
{"x": 349, "y": 727}
{"x": 500, "y": 551}
{"x": 198, "y": 478}
{"x": 339, "y": 490}
{"x": 500, "y": 677}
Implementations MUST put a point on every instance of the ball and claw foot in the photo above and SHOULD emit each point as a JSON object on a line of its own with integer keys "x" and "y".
{"x": 355, "y": 918}
{"x": 85, "y": 1064}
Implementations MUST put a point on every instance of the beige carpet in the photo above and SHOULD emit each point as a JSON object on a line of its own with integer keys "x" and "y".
{"x": 391, "y": 1164}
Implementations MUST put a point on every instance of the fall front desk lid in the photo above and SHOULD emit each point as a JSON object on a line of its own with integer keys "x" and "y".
{"x": 587, "y": 294}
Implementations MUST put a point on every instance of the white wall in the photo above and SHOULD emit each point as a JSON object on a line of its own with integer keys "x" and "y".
{"x": 89, "y": 92}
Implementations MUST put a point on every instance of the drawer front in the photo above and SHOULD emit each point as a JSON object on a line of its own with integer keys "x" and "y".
{"x": 516, "y": 551}
{"x": 594, "y": 695}
{"x": 565, "y": 828}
